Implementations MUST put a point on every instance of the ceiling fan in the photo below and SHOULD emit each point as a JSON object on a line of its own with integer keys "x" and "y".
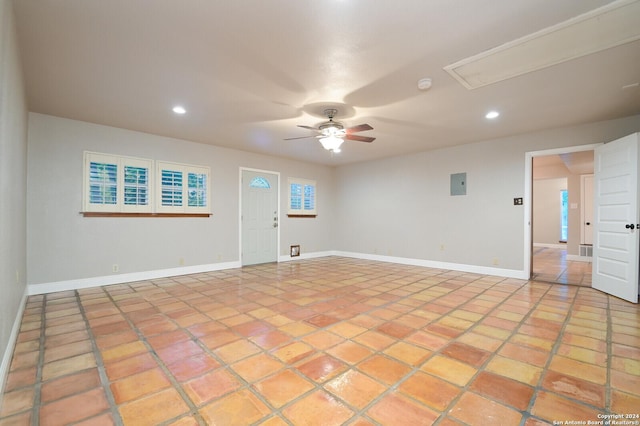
{"x": 332, "y": 133}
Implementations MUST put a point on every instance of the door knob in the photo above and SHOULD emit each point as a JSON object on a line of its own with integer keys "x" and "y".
{"x": 588, "y": 223}
{"x": 630, "y": 226}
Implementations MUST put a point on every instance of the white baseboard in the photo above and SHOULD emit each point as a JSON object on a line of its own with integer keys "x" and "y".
{"x": 51, "y": 287}
{"x": 548, "y": 245}
{"x": 78, "y": 284}
{"x": 303, "y": 256}
{"x": 483, "y": 270}
{"x": 5, "y": 363}
{"x": 577, "y": 258}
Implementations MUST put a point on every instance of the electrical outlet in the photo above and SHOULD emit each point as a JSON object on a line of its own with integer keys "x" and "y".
{"x": 441, "y": 247}
{"x": 496, "y": 262}
{"x": 517, "y": 201}
{"x": 181, "y": 261}
{"x": 115, "y": 268}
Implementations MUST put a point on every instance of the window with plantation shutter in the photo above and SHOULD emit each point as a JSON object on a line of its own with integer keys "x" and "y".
{"x": 295, "y": 203}
{"x": 197, "y": 189}
{"x": 116, "y": 184}
{"x": 103, "y": 183}
{"x": 302, "y": 197}
{"x": 310, "y": 197}
{"x": 171, "y": 182}
{"x": 136, "y": 186}
{"x": 183, "y": 188}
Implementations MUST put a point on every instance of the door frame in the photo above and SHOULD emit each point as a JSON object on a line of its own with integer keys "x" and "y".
{"x": 240, "y": 188}
{"x": 583, "y": 210}
{"x": 528, "y": 197}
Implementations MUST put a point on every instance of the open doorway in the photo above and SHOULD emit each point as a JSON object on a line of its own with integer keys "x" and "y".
{"x": 560, "y": 217}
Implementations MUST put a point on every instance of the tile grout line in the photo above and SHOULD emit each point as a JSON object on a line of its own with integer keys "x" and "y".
{"x": 538, "y": 387}
{"x": 320, "y": 386}
{"x": 482, "y": 368}
{"x": 35, "y": 415}
{"x": 193, "y": 409}
{"x": 416, "y": 368}
{"x": 227, "y": 367}
{"x": 99, "y": 363}
{"x": 606, "y": 407}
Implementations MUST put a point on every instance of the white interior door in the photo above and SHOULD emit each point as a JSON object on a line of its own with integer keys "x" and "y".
{"x": 586, "y": 230}
{"x": 259, "y": 220}
{"x": 615, "y": 248}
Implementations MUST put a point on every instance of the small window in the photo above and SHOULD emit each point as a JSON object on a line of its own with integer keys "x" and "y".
{"x": 302, "y": 197}
{"x": 115, "y": 184}
{"x": 183, "y": 188}
{"x": 259, "y": 182}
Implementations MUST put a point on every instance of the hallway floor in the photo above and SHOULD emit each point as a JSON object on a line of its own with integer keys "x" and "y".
{"x": 551, "y": 265}
{"x": 325, "y": 341}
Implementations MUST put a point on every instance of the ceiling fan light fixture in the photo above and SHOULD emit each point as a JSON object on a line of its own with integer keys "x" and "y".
{"x": 333, "y": 131}
{"x": 331, "y": 143}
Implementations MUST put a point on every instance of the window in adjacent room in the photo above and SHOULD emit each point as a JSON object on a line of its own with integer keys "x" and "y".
{"x": 302, "y": 197}
{"x": 564, "y": 215}
{"x": 116, "y": 184}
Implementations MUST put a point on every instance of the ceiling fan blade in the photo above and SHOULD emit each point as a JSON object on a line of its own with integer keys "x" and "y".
{"x": 300, "y": 137}
{"x": 359, "y": 138}
{"x": 308, "y": 127}
{"x": 359, "y": 128}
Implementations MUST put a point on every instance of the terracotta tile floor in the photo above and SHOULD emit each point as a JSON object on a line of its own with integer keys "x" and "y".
{"x": 322, "y": 342}
{"x": 551, "y": 265}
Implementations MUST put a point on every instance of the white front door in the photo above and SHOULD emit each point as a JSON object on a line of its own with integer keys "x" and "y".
{"x": 259, "y": 217}
{"x": 616, "y": 220}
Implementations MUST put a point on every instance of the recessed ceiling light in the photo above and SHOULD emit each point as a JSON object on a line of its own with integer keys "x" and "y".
{"x": 424, "y": 84}
{"x": 492, "y": 114}
{"x": 179, "y": 109}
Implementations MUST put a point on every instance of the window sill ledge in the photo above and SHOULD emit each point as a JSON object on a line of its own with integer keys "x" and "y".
{"x": 105, "y": 214}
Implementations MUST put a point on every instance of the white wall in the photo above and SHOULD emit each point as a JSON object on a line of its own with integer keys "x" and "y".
{"x": 401, "y": 206}
{"x": 547, "y": 210}
{"x": 13, "y": 184}
{"x": 63, "y": 245}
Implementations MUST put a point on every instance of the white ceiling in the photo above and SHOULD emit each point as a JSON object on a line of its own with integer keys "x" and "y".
{"x": 249, "y": 71}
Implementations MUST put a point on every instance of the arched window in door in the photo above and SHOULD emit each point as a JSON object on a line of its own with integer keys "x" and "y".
{"x": 259, "y": 182}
